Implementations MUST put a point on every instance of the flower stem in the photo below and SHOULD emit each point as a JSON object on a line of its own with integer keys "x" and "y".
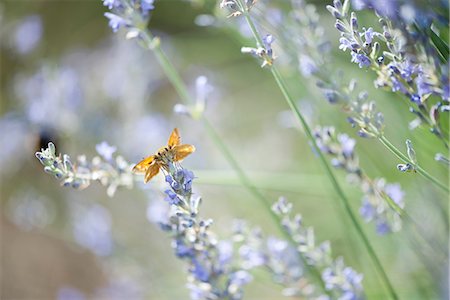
{"x": 180, "y": 87}
{"x": 334, "y": 182}
{"x": 405, "y": 159}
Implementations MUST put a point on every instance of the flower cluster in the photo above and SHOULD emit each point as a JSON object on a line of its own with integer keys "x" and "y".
{"x": 131, "y": 14}
{"x": 212, "y": 274}
{"x": 219, "y": 269}
{"x": 263, "y": 52}
{"x": 382, "y": 203}
{"x": 276, "y": 255}
{"x": 341, "y": 282}
{"x": 237, "y": 7}
{"x": 263, "y": 49}
{"x": 305, "y": 33}
{"x": 366, "y": 117}
{"x": 310, "y": 39}
{"x": 112, "y": 172}
{"x": 402, "y": 68}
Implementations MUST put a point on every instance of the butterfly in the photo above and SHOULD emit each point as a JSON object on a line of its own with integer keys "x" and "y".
{"x": 173, "y": 152}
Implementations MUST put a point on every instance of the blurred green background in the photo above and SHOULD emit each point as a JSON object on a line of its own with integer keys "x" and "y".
{"x": 68, "y": 79}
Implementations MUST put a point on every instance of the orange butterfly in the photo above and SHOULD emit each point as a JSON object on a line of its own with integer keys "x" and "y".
{"x": 174, "y": 151}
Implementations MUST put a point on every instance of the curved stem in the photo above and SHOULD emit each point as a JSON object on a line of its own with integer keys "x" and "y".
{"x": 405, "y": 159}
{"x": 332, "y": 178}
{"x": 153, "y": 44}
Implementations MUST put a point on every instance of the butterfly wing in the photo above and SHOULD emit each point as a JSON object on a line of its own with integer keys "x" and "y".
{"x": 143, "y": 165}
{"x": 174, "y": 139}
{"x": 151, "y": 172}
{"x": 181, "y": 151}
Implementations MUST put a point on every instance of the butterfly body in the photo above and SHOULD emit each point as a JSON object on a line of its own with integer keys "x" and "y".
{"x": 173, "y": 152}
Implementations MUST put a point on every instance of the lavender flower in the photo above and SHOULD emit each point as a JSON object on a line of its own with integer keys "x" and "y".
{"x": 263, "y": 52}
{"x": 115, "y": 21}
{"x": 381, "y": 203}
{"x": 406, "y": 68}
{"x": 132, "y": 14}
{"x": 361, "y": 59}
{"x": 237, "y": 7}
{"x": 341, "y": 281}
{"x": 112, "y": 173}
{"x": 213, "y": 274}
{"x": 28, "y": 34}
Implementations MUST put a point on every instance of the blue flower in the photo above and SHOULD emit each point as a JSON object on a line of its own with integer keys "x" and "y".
{"x": 225, "y": 249}
{"x": 172, "y": 197}
{"x": 423, "y": 87}
{"x": 347, "y": 144}
{"x": 397, "y": 85}
{"x": 268, "y": 40}
{"x": 110, "y": 3}
{"x": 368, "y": 35}
{"x": 345, "y": 44}
{"x": 181, "y": 250}
{"x": 105, "y": 150}
{"x": 415, "y": 98}
{"x": 353, "y": 277}
{"x": 331, "y": 96}
{"x": 115, "y": 22}
{"x": 307, "y": 65}
{"x": 395, "y": 192}
{"x": 367, "y": 211}
{"x": 169, "y": 179}
{"x": 361, "y": 59}
{"x": 185, "y": 178}
{"x": 446, "y": 92}
{"x": 251, "y": 257}
{"x": 407, "y": 70}
{"x": 147, "y": 6}
{"x": 383, "y": 227}
{"x": 200, "y": 272}
{"x": 240, "y": 278}
{"x": 28, "y": 34}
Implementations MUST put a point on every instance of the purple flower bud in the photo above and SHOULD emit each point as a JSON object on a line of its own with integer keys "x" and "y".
{"x": 147, "y": 6}
{"x": 200, "y": 273}
{"x": 115, "y": 22}
{"x": 351, "y": 121}
{"x": 368, "y": 35}
{"x": 363, "y": 134}
{"x": 110, "y": 3}
{"x": 340, "y": 26}
{"x": 361, "y": 59}
{"x": 334, "y": 12}
{"x": 416, "y": 98}
{"x": 383, "y": 228}
{"x": 337, "y": 4}
{"x": 367, "y": 211}
{"x": 354, "y": 22}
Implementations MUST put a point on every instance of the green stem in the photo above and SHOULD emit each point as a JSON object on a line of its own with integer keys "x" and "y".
{"x": 405, "y": 159}
{"x": 153, "y": 44}
{"x": 334, "y": 182}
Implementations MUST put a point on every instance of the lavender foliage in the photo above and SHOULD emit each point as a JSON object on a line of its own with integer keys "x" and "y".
{"x": 112, "y": 172}
{"x": 382, "y": 203}
{"x": 341, "y": 281}
{"x": 405, "y": 66}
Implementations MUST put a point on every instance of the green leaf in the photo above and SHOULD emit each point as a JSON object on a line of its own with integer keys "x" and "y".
{"x": 440, "y": 45}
